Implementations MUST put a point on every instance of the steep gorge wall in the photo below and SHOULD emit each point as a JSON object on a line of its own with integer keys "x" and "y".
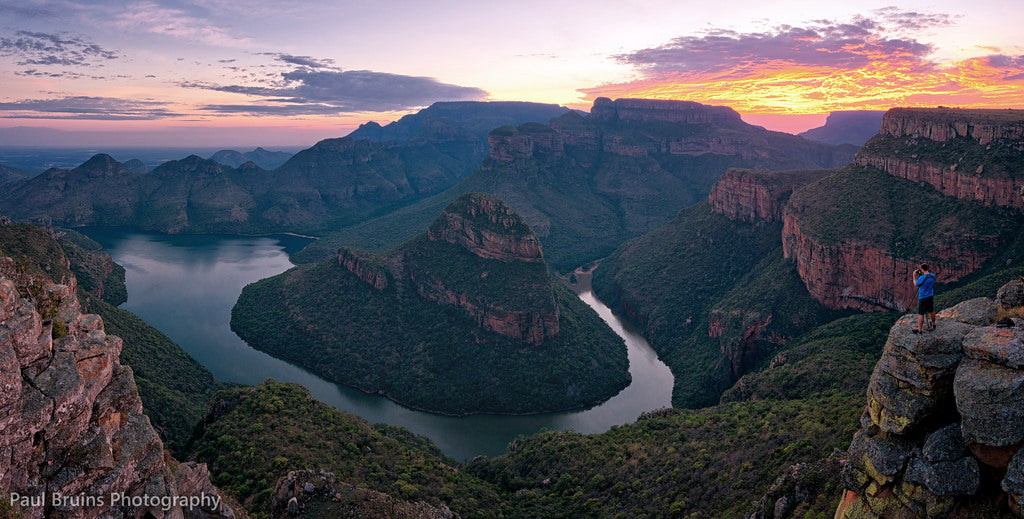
{"x": 865, "y": 277}
{"x": 757, "y": 195}
{"x": 1002, "y": 129}
{"x": 71, "y": 421}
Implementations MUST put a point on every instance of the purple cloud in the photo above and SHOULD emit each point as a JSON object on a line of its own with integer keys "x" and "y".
{"x": 311, "y": 91}
{"x": 43, "y": 49}
{"x": 84, "y": 107}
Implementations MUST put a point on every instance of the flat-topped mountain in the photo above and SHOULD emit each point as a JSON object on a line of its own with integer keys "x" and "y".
{"x": 586, "y": 183}
{"x": 464, "y": 318}
{"x": 969, "y": 154}
{"x": 446, "y": 119}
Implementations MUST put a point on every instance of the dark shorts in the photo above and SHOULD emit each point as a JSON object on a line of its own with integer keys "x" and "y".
{"x": 926, "y": 305}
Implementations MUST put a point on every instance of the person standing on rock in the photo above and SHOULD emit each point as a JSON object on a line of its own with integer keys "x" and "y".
{"x": 925, "y": 282}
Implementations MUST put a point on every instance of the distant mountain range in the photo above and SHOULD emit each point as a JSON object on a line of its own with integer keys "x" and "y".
{"x": 259, "y": 156}
{"x": 587, "y": 183}
{"x": 336, "y": 182}
{"x": 851, "y": 127}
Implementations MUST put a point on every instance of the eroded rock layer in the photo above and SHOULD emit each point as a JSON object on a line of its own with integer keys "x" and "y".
{"x": 74, "y": 441}
{"x": 944, "y": 423}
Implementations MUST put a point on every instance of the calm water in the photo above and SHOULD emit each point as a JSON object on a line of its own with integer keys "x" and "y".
{"x": 186, "y": 285}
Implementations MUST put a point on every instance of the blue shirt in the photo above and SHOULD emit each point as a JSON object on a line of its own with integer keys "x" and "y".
{"x": 925, "y": 283}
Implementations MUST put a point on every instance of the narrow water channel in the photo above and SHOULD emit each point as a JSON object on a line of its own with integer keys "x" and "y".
{"x": 185, "y": 286}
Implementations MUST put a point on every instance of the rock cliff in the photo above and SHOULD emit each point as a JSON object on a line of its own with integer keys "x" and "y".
{"x": 751, "y": 195}
{"x": 646, "y": 110}
{"x": 867, "y": 277}
{"x": 487, "y": 228}
{"x": 944, "y": 421}
{"x": 969, "y": 154}
{"x": 74, "y": 441}
{"x": 858, "y": 234}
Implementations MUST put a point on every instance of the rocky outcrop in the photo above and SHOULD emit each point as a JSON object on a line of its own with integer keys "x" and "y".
{"x": 956, "y": 145}
{"x": 489, "y": 228}
{"x": 942, "y": 430}
{"x": 74, "y": 441}
{"x": 532, "y": 327}
{"x": 752, "y": 195}
{"x": 365, "y": 266}
{"x": 865, "y": 277}
{"x": 308, "y": 494}
{"x": 529, "y": 140}
{"x": 743, "y": 337}
{"x": 969, "y": 185}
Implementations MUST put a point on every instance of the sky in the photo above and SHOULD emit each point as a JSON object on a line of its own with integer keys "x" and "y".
{"x": 288, "y": 72}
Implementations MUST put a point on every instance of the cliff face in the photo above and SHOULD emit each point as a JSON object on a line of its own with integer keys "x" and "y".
{"x": 942, "y": 429}
{"x": 969, "y": 154}
{"x": 489, "y": 230}
{"x": 757, "y": 195}
{"x": 71, "y": 422}
{"x": 487, "y": 227}
{"x": 865, "y": 277}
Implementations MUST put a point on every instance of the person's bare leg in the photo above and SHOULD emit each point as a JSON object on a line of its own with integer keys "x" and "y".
{"x": 933, "y": 320}
{"x": 920, "y": 322}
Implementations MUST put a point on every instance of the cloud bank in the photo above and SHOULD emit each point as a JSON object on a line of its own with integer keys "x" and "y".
{"x": 317, "y": 87}
{"x": 868, "y": 62}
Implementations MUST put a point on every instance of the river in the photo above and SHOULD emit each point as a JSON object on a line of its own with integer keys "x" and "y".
{"x": 185, "y": 286}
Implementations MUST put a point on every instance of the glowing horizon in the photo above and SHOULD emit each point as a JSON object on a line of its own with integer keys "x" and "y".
{"x": 269, "y": 72}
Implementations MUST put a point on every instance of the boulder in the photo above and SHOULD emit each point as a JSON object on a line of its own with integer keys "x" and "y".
{"x": 979, "y": 311}
{"x": 1012, "y": 293}
{"x": 997, "y": 345}
{"x": 990, "y": 399}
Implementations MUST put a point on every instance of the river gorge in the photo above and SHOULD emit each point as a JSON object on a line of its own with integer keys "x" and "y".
{"x": 186, "y": 285}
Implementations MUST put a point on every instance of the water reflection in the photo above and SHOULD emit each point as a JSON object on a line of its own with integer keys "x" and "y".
{"x": 185, "y": 286}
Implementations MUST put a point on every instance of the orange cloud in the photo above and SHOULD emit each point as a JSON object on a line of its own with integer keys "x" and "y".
{"x": 861, "y": 65}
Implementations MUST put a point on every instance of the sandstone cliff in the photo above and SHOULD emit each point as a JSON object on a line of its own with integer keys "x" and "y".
{"x": 944, "y": 422}
{"x": 752, "y": 195}
{"x": 489, "y": 230}
{"x": 71, "y": 422}
{"x": 858, "y": 234}
{"x": 969, "y": 154}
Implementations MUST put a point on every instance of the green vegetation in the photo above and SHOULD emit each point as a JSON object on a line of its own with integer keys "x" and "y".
{"x": 427, "y": 338}
{"x": 260, "y": 433}
{"x": 424, "y": 354}
{"x": 34, "y": 251}
{"x": 703, "y": 272}
{"x": 95, "y": 271}
{"x": 675, "y": 463}
{"x": 613, "y": 181}
{"x": 862, "y": 204}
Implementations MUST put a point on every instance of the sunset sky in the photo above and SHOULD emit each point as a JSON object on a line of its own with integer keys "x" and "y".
{"x": 287, "y": 72}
